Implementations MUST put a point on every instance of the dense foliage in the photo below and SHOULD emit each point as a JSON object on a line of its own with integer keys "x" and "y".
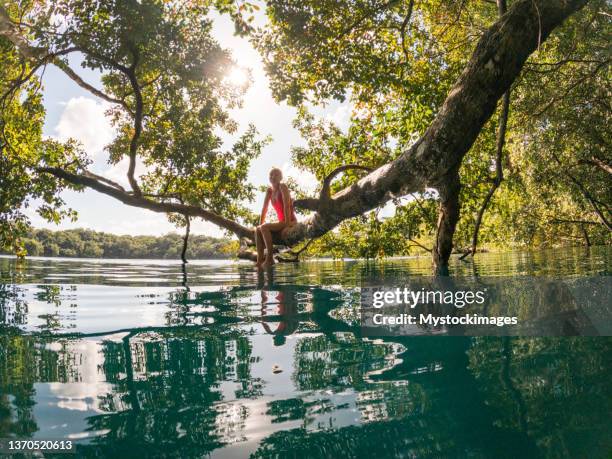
{"x": 395, "y": 62}
{"x": 164, "y": 74}
{"x": 165, "y": 77}
{"x": 83, "y": 243}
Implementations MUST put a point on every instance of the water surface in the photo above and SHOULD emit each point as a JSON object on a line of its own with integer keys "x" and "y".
{"x": 213, "y": 359}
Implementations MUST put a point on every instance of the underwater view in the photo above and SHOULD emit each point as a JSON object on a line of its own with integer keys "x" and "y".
{"x": 214, "y": 359}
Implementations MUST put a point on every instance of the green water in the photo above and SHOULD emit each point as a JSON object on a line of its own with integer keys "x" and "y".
{"x": 144, "y": 359}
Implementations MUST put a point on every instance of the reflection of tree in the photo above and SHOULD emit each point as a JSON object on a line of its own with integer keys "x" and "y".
{"x": 556, "y": 390}
{"x": 13, "y": 309}
{"x": 323, "y": 364}
{"x": 447, "y": 396}
{"x": 286, "y": 305}
{"x": 185, "y": 388}
{"x": 167, "y": 390}
{"x": 23, "y": 362}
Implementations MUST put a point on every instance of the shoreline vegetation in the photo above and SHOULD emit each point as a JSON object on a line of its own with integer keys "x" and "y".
{"x": 85, "y": 243}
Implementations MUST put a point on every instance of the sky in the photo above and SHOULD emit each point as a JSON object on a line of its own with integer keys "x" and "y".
{"x": 73, "y": 112}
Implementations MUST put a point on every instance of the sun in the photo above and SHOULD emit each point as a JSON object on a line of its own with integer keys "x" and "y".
{"x": 238, "y": 77}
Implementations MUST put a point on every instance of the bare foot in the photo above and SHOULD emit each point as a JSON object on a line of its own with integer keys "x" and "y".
{"x": 268, "y": 264}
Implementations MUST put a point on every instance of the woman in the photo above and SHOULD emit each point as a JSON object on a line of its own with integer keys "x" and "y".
{"x": 278, "y": 195}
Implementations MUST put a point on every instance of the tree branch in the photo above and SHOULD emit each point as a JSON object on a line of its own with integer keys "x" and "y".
{"x": 589, "y": 197}
{"x": 83, "y": 84}
{"x": 144, "y": 203}
{"x": 404, "y": 28}
{"x": 418, "y": 244}
{"x": 306, "y": 203}
{"x": 325, "y": 196}
{"x": 560, "y": 221}
{"x": 569, "y": 89}
{"x": 103, "y": 180}
{"x": 499, "y": 150}
{"x": 42, "y": 56}
{"x": 598, "y": 163}
{"x": 9, "y": 30}
{"x": 138, "y": 114}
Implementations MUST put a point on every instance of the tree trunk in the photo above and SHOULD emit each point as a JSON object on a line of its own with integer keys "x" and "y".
{"x": 186, "y": 239}
{"x": 585, "y": 233}
{"x": 448, "y": 216}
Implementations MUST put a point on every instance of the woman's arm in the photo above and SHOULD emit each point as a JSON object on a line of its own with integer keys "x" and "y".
{"x": 264, "y": 210}
{"x": 286, "y": 203}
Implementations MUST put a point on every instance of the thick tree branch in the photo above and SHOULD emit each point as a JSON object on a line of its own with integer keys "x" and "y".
{"x": 9, "y": 30}
{"x": 306, "y": 203}
{"x": 104, "y": 180}
{"x": 496, "y": 62}
{"x": 325, "y": 189}
{"x": 324, "y": 199}
{"x": 144, "y": 203}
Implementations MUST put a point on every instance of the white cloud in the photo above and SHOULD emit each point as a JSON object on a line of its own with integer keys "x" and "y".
{"x": 306, "y": 180}
{"x": 118, "y": 172}
{"x": 83, "y": 119}
{"x": 340, "y": 116}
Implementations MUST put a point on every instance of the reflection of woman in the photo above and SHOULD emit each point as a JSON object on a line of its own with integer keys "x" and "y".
{"x": 278, "y": 194}
{"x": 287, "y": 310}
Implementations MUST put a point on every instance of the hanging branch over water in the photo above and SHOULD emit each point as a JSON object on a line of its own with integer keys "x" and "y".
{"x": 499, "y": 150}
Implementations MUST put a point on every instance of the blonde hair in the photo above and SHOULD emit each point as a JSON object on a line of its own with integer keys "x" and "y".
{"x": 278, "y": 171}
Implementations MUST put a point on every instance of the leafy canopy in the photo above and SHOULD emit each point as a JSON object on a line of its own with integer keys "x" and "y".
{"x": 165, "y": 77}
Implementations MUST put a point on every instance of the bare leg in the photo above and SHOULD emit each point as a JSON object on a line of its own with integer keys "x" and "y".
{"x": 267, "y": 237}
{"x": 266, "y": 233}
{"x": 259, "y": 243}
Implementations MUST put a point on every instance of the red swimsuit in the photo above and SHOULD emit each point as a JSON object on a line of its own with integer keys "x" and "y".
{"x": 279, "y": 207}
